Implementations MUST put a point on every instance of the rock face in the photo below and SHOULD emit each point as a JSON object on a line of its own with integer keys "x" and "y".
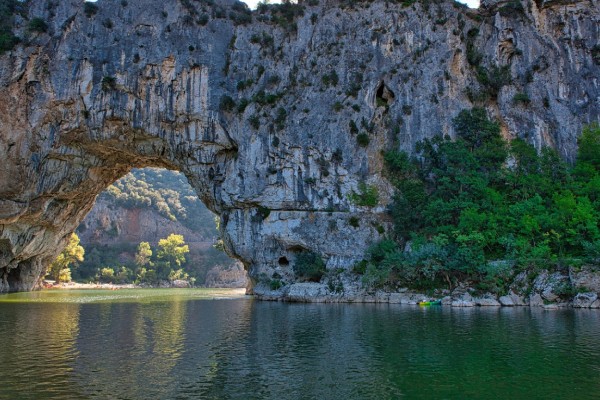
{"x": 258, "y": 115}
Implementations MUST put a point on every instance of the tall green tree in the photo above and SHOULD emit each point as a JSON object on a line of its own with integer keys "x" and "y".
{"x": 72, "y": 254}
{"x": 172, "y": 250}
{"x": 143, "y": 255}
{"x": 589, "y": 146}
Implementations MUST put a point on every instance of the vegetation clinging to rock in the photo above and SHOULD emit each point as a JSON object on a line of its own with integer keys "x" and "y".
{"x": 478, "y": 208}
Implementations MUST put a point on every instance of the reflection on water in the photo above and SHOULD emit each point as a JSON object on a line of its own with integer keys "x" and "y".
{"x": 188, "y": 346}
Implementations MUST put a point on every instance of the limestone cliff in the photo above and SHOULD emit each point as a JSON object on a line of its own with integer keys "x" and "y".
{"x": 262, "y": 111}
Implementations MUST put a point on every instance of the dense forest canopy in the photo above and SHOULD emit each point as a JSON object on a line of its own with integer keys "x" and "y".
{"x": 167, "y": 192}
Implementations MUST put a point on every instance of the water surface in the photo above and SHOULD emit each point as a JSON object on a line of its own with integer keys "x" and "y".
{"x": 217, "y": 344}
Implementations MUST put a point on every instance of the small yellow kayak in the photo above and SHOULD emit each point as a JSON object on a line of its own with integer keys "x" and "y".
{"x": 431, "y": 303}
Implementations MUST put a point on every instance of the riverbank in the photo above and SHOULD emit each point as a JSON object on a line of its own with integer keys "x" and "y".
{"x": 575, "y": 287}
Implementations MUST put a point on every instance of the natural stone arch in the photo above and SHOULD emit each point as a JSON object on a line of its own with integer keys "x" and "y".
{"x": 94, "y": 140}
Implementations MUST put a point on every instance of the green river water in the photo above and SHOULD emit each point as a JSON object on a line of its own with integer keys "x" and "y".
{"x": 218, "y": 344}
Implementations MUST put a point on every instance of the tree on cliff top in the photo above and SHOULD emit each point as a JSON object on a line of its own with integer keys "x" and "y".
{"x": 60, "y": 269}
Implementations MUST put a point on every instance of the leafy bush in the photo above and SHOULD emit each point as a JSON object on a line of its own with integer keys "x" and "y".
{"x": 226, "y": 103}
{"x": 90, "y": 9}
{"x": 474, "y": 57}
{"x": 7, "y": 41}
{"x": 275, "y": 284}
{"x": 367, "y": 196}
{"x": 494, "y": 78}
{"x": 522, "y": 98}
{"x": 7, "y": 10}
{"x": 283, "y": 14}
{"x": 107, "y": 275}
{"x": 330, "y": 79}
{"x": 309, "y": 266}
{"x": 203, "y": 19}
{"x": 362, "y": 139}
{"x": 595, "y": 52}
{"x": 109, "y": 82}
{"x": 254, "y": 121}
{"x": 511, "y": 9}
{"x": 354, "y": 222}
{"x": 38, "y": 25}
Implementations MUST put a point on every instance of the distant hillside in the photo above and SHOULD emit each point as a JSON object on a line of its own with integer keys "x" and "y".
{"x": 145, "y": 206}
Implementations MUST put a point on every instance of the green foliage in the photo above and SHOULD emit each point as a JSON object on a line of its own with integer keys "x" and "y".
{"x": 37, "y": 25}
{"x": 226, "y": 104}
{"x": 172, "y": 250}
{"x": 7, "y": 10}
{"x": 354, "y": 222}
{"x": 107, "y": 275}
{"x": 474, "y": 57}
{"x": 244, "y": 84}
{"x": 367, "y": 196}
{"x": 241, "y": 107}
{"x": 275, "y": 284}
{"x": 512, "y": 9}
{"x": 7, "y": 41}
{"x": 203, "y": 19}
{"x": 241, "y": 14}
{"x": 330, "y": 79}
{"x": 109, "y": 83}
{"x": 262, "y": 213}
{"x": 589, "y": 148}
{"x": 264, "y": 39}
{"x": 266, "y": 99}
{"x": 494, "y": 78}
{"x": 309, "y": 266}
{"x": 362, "y": 139}
{"x": 464, "y": 204}
{"x": 90, "y": 9}
{"x": 283, "y": 14}
{"x": 353, "y": 127}
{"x": 143, "y": 255}
{"x": 522, "y": 98}
{"x": 595, "y": 52}
{"x": 165, "y": 191}
{"x": 254, "y": 121}
{"x": 169, "y": 194}
{"x": 72, "y": 254}
{"x": 280, "y": 118}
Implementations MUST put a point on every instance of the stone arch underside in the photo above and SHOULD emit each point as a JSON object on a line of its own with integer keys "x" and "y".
{"x": 258, "y": 116}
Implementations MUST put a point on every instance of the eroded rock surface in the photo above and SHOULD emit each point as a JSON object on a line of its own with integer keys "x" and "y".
{"x": 148, "y": 83}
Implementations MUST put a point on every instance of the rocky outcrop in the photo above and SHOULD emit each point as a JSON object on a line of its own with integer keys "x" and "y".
{"x": 231, "y": 276}
{"x": 546, "y": 290}
{"x": 256, "y": 110}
